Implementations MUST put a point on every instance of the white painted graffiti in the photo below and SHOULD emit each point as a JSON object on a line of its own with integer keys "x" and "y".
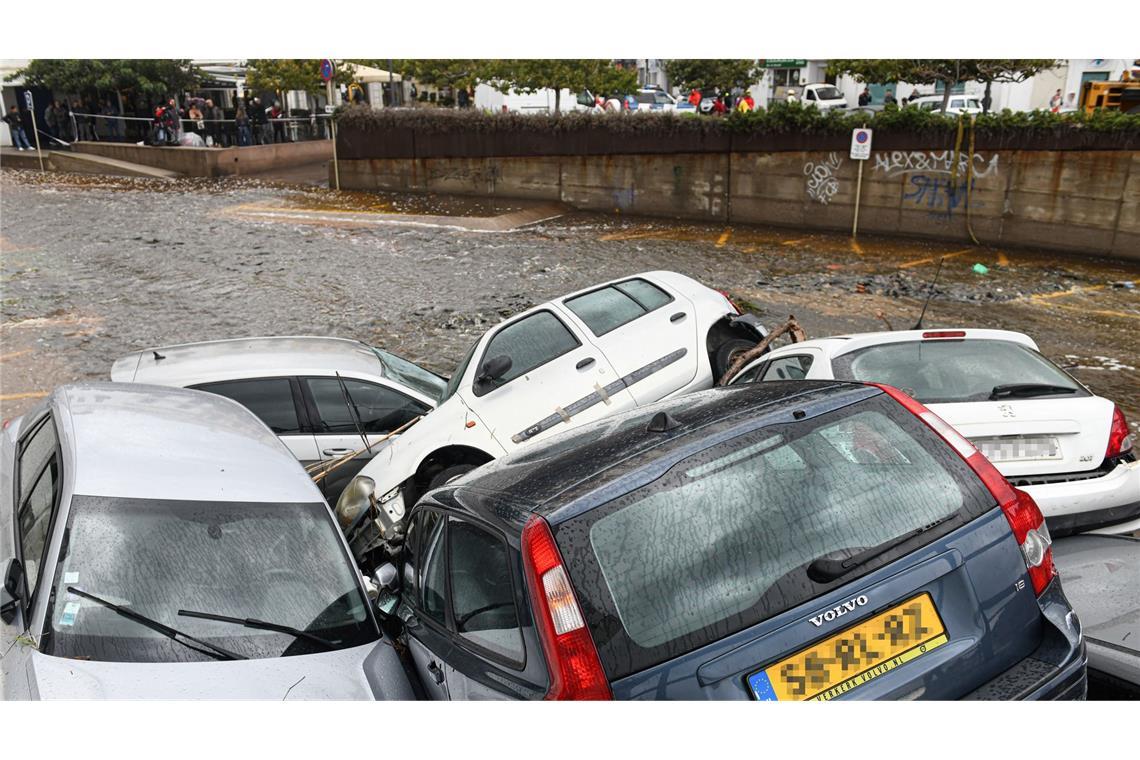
{"x": 898, "y": 162}
{"x": 823, "y": 182}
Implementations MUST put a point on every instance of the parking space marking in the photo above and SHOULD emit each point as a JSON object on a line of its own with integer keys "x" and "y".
{"x": 30, "y": 394}
{"x": 933, "y": 259}
{"x": 724, "y": 237}
{"x": 14, "y": 354}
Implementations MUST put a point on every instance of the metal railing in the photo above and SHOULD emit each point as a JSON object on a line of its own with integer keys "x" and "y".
{"x": 214, "y": 132}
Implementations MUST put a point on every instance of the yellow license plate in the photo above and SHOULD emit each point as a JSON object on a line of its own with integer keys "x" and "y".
{"x": 851, "y": 658}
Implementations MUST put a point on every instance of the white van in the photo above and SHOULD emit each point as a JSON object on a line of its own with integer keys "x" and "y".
{"x": 823, "y": 96}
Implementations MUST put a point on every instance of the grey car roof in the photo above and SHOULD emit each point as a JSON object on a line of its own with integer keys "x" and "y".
{"x": 191, "y": 363}
{"x": 156, "y": 442}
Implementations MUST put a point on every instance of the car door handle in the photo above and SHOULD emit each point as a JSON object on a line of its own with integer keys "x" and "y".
{"x": 436, "y": 672}
{"x": 678, "y": 316}
{"x": 335, "y": 452}
{"x": 584, "y": 363}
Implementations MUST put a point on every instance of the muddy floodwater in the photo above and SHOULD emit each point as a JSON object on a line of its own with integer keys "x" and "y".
{"x": 94, "y": 267}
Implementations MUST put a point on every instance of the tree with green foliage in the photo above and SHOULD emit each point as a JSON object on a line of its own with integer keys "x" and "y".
{"x": 947, "y": 72}
{"x": 574, "y": 74}
{"x": 707, "y": 73}
{"x": 992, "y": 70}
{"x": 455, "y": 73}
{"x": 282, "y": 75}
{"x": 126, "y": 77}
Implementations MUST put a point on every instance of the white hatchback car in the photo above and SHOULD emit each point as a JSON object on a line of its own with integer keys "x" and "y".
{"x": 1046, "y": 432}
{"x": 316, "y": 394}
{"x": 572, "y": 360}
{"x": 159, "y": 543}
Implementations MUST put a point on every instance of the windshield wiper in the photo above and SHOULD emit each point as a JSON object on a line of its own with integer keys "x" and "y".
{"x": 1025, "y": 390}
{"x": 827, "y": 568}
{"x": 212, "y": 650}
{"x": 261, "y": 625}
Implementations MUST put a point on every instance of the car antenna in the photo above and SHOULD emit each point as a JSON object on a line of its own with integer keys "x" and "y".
{"x": 929, "y": 295}
{"x": 352, "y": 411}
{"x": 157, "y": 356}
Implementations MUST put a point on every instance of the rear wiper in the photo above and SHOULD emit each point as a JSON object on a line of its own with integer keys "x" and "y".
{"x": 827, "y": 568}
{"x": 1024, "y": 390}
{"x": 261, "y": 625}
{"x": 212, "y": 650}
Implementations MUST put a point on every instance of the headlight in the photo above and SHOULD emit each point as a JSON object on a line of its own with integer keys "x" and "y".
{"x": 354, "y": 499}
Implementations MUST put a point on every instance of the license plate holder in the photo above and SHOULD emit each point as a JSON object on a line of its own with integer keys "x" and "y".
{"x": 853, "y": 656}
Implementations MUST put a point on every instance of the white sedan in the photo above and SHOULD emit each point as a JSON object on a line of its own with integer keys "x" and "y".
{"x": 1046, "y": 432}
{"x": 612, "y": 347}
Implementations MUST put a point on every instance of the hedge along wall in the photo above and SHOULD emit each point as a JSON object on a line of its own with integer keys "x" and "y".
{"x": 1081, "y": 195}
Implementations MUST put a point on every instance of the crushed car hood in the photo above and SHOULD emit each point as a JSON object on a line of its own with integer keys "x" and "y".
{"x": 367, "y": 672}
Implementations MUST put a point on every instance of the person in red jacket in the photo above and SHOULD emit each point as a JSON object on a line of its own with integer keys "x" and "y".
{"x": 695, "y": 98}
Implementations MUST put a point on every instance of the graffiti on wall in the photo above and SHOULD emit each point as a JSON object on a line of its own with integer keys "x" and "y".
{"x": 896, "y": 162}
{"x": 823, "y": 178}
{"x": 938, "y": 194}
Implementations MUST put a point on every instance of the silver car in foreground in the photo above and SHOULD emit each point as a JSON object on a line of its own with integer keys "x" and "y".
{"x": 163, "y": 543}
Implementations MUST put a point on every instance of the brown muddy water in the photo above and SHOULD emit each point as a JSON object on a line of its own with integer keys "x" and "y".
{"x": 94, "y": 267}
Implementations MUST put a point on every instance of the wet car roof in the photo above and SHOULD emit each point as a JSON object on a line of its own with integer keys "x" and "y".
{"x": 247, "y": 357}
{"x": 1101, "y": 577}
{"x": 588, "y": 465}
{"x": 156, "y": 442}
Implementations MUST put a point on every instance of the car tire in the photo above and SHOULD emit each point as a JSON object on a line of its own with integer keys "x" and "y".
{"x": 448, "y": 474}
{"x": 728, "y": 351}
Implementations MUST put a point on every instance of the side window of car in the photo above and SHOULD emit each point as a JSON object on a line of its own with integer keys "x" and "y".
{"x": 432, "y": 578}
{"x": 788, "y": 368}
{"x": 482, "y": 596}
{"x": 39, "y": 486}
{"x": 750, "y": 375}
{"x": 380, "y": 409}
{"x": 530, "y": 343}
{"x": 411, "y": 554}
{"x": 271, "y": 399}
{"x": 811, "y": 95}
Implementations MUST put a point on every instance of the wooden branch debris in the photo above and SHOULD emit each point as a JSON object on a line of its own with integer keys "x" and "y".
{"x": 791, "y": 328}
{"x": 320, "y": 470}
{"x": 883, "y": 317}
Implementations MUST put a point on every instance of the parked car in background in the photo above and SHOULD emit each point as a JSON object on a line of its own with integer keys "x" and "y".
{"x": 783, "y": 541}
{"x": 654, "y": 99}
{"x": 1102, "y": 581}
{"x": 958, "y": 104}
{"x": 869, "y": 110}
{"x": 825, "y": 97}
{"x": 316, "y": 393}
{"x": 162, "y": 543}
{"x": 1070, "y": 449}
{"x": 575, "y": 359}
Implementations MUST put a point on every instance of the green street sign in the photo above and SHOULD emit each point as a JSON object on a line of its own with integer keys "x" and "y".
{"x": 783, "y": 63}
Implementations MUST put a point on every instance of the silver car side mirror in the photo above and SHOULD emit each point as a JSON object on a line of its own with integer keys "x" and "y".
{"x": 387, "y": 577}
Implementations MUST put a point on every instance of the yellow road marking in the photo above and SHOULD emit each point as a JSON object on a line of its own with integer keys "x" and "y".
{"x": 856, "y": 247}
{"x": 1002, "y": 260}
{"x": 14, "y": 396}
{"x": 1102, "y": 312}
{"x": 724, "y": 236}
{"x": 14, "y": 354}
{"x": 793, "y": 242}
{"x": 1062, "y": 293}
{"x": 932, "y": 259}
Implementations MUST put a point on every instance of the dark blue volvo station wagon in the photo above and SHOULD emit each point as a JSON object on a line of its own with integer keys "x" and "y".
{"x": 777, "y": 541}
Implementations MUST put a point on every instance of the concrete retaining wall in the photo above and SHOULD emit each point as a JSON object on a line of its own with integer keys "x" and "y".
{"x": 214, "y": 162}
{"x": 1084, "y": 201}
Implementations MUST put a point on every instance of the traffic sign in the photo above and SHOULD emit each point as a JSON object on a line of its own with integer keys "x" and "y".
{"x": 28, "y": 100}
{"x": 327, "y": 70}
{"x": 860, "y": 144}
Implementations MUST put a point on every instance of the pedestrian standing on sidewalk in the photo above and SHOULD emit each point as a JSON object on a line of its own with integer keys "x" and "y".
{"x": 275, "y": 117}
{"x": 1055, "y": 102}
{"x": 16, "y": 127}
{"x": 112, "y": 124}
{"x": 244, "y": 133}
{"x": 865, "y": 97}
{"x": 257, "y": 121}
{"x": 215, "y": 125}
{"x": 889, "y": 99}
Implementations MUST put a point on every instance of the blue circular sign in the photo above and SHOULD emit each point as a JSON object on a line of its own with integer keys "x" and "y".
{"x": 326, "y": 70}
{"x": 860, "y": 137}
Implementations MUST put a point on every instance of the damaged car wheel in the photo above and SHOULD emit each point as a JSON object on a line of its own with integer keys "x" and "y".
{"x": 728, "y": 351}
{"x": 448, "y": 474}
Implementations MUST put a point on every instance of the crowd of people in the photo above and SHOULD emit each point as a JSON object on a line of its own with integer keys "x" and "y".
{"x": 196, "y": 121}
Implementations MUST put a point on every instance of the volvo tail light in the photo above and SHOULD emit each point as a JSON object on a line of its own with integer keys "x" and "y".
{"x": 1119, "y": 436}
{"x": 1020, "y": 510}
{"x": 575, "y": 669}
